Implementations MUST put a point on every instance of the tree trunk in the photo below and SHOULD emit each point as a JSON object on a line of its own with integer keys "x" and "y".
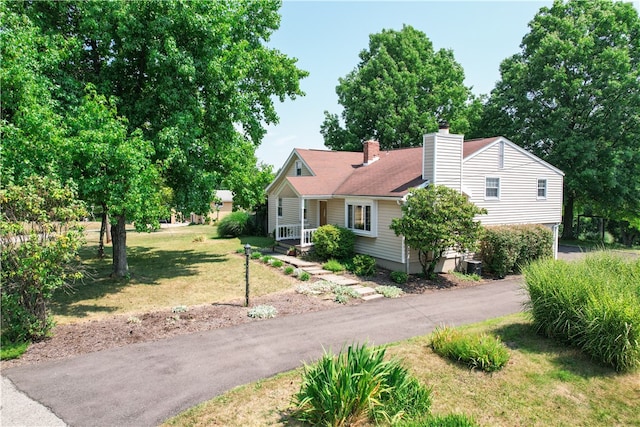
{"x": 119, "y": 237}
{"x": 103, "y": 230}
{"x": 567, "y": 220}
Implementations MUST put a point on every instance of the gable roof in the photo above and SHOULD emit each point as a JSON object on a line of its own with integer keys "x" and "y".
{"x": 341, "y": 173}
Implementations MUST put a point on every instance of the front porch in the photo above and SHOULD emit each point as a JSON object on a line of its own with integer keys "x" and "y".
{"x": 295, "y": 234}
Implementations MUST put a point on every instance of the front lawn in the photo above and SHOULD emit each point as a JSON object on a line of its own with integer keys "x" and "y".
{"x": 179, "y": 266}
{"x": 544, "y": 383}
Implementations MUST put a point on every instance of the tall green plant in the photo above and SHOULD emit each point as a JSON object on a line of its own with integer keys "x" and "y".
{"x": 593, "y": 304}
{"x": 39, "y": 241}
{"x": 333, "y": 241}
{"x": 358, "y": 385}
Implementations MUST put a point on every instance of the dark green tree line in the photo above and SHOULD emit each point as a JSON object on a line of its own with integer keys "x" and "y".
{"x": 572, "y": 97}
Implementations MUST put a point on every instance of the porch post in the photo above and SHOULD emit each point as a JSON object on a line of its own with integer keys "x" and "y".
{"x": 275, "y": 232}
{"x": 301, "y": 221}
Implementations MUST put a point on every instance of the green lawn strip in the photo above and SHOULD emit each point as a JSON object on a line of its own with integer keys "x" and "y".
{"x": 168, "y": 268}
{"x": 544, "y": 383}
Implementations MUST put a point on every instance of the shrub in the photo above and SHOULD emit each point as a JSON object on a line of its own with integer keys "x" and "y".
{"x": 39, "y": 240}
{"x": 288, "y": 270}
{"x": 399, "y": 277}
{"x": 333, "y": 265}
{"x": 344, "y": 293}
{"x": 358, "y": 385}
{"x": 506, "y": 249}
{"x": 265, "y": 258}
{"x": 363, "y": 265}
{"x": 10, "y": 350}
{"x": 235, "y": 224}
{"x": 479, "y": 351}
{"x": 332, "y": 241}
{"x": 256, "y": 255}
{"x": 389, "y": 291}
{"x": 276, "y": 263}
{"x": 304, "y": 276}
{"x": 593, "y": 304}
{"x": 262, "y": 312}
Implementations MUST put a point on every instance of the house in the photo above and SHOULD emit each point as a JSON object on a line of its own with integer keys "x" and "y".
{"x": 363, "y": 191}
{"x": 219, "y": 209}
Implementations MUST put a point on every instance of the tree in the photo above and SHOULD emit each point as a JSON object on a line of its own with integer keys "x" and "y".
{"x": 39, "y": 240}
{"x": 400, "y": 90}
{"x": 572, "y": 97}
{"x": 436, "y": 219}
{"x": 30, "y": 127}
{"x": 113, "y": 170}
{"x": 194, "y": 77}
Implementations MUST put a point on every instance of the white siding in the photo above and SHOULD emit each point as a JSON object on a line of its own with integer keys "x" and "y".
{"x": 335, "y": 212}
{"x": 447, "y": 149}
{"x": 386, "y": 245}
{"x": 291, "y": 170}
{"x": 518, "y": 202}
{"x": 272, "y": 212}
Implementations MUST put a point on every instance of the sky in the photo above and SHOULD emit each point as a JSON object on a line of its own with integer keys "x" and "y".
{"x": 327, "y": 36}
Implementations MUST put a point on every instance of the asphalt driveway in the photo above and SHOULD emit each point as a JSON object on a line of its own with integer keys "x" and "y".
{"x": 146, "y": 383}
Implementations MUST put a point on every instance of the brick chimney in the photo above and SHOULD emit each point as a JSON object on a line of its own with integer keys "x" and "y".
{"x": 371, "y": 151}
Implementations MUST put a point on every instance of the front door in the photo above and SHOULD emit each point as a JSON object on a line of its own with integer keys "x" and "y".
{"x": 323, "y": 213}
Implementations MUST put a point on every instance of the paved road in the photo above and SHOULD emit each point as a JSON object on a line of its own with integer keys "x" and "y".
{"x": 144, "y": 384}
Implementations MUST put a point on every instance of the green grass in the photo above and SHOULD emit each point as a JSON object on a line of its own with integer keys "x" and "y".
{"x": 10, "y": 350}
{"x": 545, "y": 383}
{"x": 467, "y": 277}
{"x": 167, "y": 269}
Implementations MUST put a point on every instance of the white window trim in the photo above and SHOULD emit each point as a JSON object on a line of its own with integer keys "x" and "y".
{"x": 298, "y": 167}
{"x": 374, "y": 216}
{"x": 499, "y": 188}
{"x": 546, "y": 189}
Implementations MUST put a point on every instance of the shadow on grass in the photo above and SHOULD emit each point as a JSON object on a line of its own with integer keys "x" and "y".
{"x": 568, "y": 360}
{"x": 147, "y": 266}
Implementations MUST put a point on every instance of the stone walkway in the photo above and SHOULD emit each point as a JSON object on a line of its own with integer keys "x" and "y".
{"x": 316, "y": 271}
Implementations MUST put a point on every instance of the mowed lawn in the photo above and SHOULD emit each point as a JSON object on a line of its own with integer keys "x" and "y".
{"x": 545, "y": 383}
{"x": 175, "y": 266}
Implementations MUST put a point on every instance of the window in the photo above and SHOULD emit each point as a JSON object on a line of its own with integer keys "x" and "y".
{"x": 492, "y": 188}
{"x": 279, "y": 206}
{"x": 359, "y": 217}
{"x": 542, "y": 188}
{"x": 298, "y": 168}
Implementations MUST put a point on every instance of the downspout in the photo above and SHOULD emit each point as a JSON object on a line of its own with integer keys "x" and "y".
{"x": 555, "y": 240}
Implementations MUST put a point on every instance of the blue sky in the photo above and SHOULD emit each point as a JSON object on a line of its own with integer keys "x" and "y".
{"x": 326, "y": 38}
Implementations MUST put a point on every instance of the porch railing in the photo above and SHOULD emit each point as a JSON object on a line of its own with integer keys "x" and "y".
{"x": 295, "y": 231}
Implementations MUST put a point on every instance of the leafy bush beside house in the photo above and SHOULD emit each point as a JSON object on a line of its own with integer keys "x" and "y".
{"x": 333, "y": 241}
{"x": 505, "y": 249}
{"x": 235, "y": 224}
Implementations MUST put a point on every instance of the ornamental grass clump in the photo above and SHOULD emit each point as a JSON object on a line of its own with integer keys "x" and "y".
{"x": 477, "y": 351}
{"x": 593, "y": 304}
{"x": 356, "y": 386}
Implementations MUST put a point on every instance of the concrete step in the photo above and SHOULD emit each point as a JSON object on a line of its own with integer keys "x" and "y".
{"x": 372, "y": 296}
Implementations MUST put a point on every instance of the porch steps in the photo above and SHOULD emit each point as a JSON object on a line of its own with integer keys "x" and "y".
{"x": 366, "y": 293}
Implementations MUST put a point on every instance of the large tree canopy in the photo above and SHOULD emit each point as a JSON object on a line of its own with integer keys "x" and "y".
{"x": 572, "y": 97}
{"x": 399, "y": 91}
{"x": 192, "y": 82}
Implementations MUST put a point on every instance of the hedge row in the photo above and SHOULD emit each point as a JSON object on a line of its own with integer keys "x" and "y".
{"x": 505, "y": 249}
